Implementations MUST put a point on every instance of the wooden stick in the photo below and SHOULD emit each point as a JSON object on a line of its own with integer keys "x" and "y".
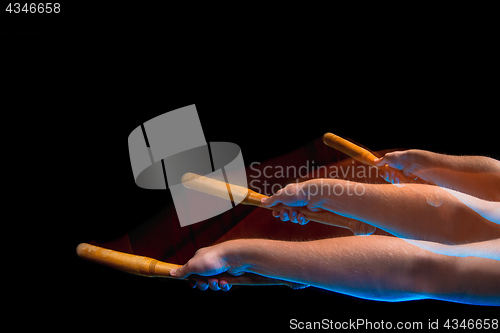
{"x": 248, "y": 197}
{"x": 358, "y": 153}
{"x": 361, "y": 154}
{"x": 150, "y": 267}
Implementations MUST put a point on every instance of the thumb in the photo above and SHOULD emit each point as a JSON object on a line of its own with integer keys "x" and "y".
{"x": 272, "y": 200}
{"x": 391, "y": 159}
{"x": 379, "y": 161}
{"x": 181, "y": 272}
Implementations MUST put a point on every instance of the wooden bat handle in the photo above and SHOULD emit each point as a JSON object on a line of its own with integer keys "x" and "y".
{"x": 361, "y": 154}
{"x": 125, "y": 262}
{"x": 150, "y": 267}
{"x": 248, "y": 197}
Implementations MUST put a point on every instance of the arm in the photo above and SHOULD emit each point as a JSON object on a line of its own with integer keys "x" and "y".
{"x": 476, "y": 175}
{"x": 373, "y": 267}
{"x": 415, "y": 211}
{"x": 490, "y": 210}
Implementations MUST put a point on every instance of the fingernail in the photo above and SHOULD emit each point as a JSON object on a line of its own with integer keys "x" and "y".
{"x": 263, "y": 200}
{"x": 173, "y": 271}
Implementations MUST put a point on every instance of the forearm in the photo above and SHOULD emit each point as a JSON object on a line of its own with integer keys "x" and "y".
{"x": 490, "y": 210}
{"x": 487, "y": 249}
{"x": 374, "y": 267}
{"x": 415, "y": 211}
{"x": 344, "y": 265}
{"x": 476, "y": 175}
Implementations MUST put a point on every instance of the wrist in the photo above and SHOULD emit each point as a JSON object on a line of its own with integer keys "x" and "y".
{"x": 421, "y": 160}
{"x": 237, "y": 254}
{"x": 316, "y": 191}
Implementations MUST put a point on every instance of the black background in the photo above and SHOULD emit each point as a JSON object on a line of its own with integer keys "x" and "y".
{"x": 78, "y": 84}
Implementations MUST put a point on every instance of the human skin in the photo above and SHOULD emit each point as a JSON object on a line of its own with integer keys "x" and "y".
{"x": 460, "y": 231}
{"x": 478, "y": 176}
{"x": 413, "y": 211}
{"x": 439, "y": 218}
{"x": 374, "y": 267}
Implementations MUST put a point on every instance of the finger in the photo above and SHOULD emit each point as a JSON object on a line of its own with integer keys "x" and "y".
{"x": 302, "y": 219}
{"x": 276, "y": 213}
{"x": 284, "y": 215}
{"x": 182, "y": 272}
{"x": 272, "y": 200}
{"x": 391, "y": 159}
{"x": 192, "y": 283}
{"x": 213, "y": 284}
{"x": 293, "y": 216}
{"x": 385, "y": 176}
{"x": 391, "y": 177}
{"x": 379, "y": 161}
{"x": 202, "y": 285}
{"x": 395, "y": 177}
{"x": 224, "y": 285}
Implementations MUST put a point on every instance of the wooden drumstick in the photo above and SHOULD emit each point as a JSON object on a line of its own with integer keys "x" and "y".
{"x": 248, "y": 197}
{"x": 150, "y": 267}
{"x": 360, "y": 154}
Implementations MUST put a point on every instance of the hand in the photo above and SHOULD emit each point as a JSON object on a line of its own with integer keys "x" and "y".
{"x": 209, "y": 261}
{"x": 408, "y": 161}
{"x": 295, "y": 195}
